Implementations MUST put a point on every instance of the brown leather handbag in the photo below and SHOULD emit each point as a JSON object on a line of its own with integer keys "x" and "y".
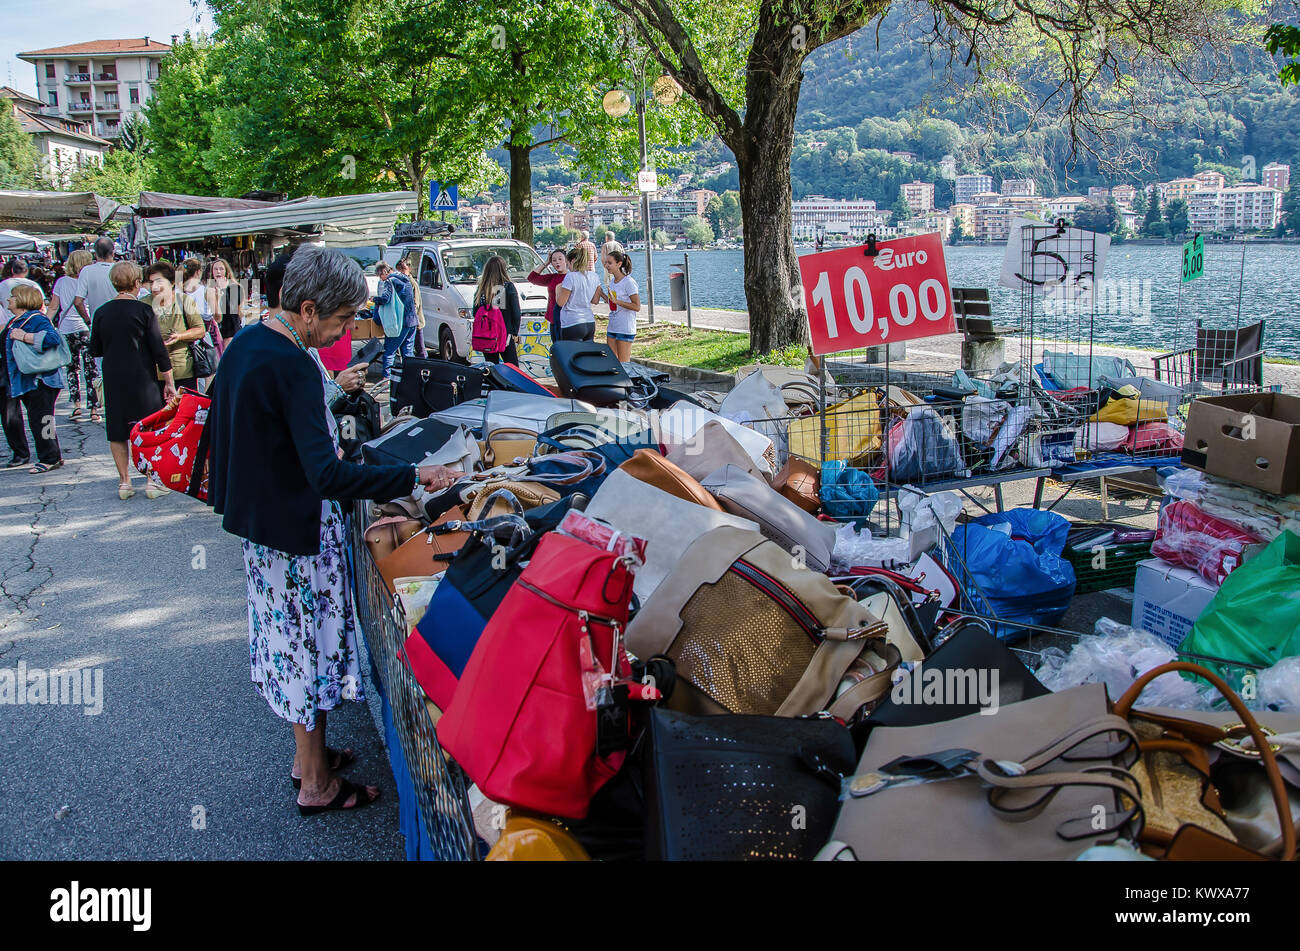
{"x": 652, "y": 468}
{"x": 752, "y": 632}
{"x": 504, "y": 445}
{"x": 427, "y": 552}
{"x": 1185, "y": 818}
{"x": 385, "y": 535}
{"x": 800, "y": 482}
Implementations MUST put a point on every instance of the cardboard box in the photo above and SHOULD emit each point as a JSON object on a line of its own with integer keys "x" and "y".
{"x": 1251, "y": 438}
{"x": 365, "y": 329}
{"x": 1167, "y": 600}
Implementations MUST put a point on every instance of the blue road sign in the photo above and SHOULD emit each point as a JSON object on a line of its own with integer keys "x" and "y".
{"x": 442, "y": 196}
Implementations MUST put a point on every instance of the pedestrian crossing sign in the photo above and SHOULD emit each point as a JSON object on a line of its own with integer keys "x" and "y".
{"x": 442, "y": 196}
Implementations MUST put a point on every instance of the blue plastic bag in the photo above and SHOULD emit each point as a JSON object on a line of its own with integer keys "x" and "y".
{"x": 847, "y": 493}
{"x": 1017, "y": 570}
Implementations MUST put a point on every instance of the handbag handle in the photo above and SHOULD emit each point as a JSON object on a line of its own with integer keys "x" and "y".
{"x": 1124, "y": 708}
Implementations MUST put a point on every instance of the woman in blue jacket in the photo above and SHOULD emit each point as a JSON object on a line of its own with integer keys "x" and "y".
{"x": 37, "y": 393}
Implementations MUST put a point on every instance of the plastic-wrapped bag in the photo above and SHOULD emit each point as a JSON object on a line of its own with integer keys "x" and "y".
{"x": 923, "y": 446}
{"x": 854, "y": 549}
{"x": 1192, "y": 538}
{"x": 920, "y": 511}
{"x": 1279, "y": 686}
{"x": 1101, "y": 437}
{"x": 1255, "y": 617}
{"x": 1116, "y": 656}
{"x": 1013, "y": 562}
{"x": 754, "y": 398}
{"x": 847, "y": 493}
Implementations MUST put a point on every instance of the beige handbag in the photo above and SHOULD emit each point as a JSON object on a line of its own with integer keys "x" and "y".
{"x": 751, "y": 632}
{"x": 505, "y": 444}
{"x": 1041, "y": 779}
{"x": 667, "y": 523}
{"x": 708, "y": 451}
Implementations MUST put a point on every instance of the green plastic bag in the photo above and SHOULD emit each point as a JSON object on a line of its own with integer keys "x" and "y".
{"x": 1255, "y": 616}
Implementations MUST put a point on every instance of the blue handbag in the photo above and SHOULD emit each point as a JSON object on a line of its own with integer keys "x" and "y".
{"x": 35, "y": 362}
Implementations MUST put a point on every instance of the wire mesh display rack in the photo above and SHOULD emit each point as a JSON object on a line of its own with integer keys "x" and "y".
{"x": 440, "y": 786}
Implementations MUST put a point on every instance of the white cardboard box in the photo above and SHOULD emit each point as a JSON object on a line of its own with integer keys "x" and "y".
{"x": 1167, "y": 600}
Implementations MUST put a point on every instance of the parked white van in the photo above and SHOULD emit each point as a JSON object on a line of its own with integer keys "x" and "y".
{"x": 446, "y": 271}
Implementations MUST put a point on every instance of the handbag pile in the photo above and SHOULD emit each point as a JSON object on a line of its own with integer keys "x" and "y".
{"x": 632, "y": 641}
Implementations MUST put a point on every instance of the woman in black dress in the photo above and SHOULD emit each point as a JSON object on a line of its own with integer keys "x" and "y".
{"x": 125, "y": 333}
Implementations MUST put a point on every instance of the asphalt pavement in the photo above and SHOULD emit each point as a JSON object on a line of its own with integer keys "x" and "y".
{"x": 185, "y": 760}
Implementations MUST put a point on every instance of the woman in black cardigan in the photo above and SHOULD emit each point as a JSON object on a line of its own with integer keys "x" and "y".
{"x": 275, "y": 475}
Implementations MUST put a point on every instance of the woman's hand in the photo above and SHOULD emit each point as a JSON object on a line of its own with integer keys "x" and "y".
{"x": 352, "y": 379}
{"x": 170, "y": 339}
{"x": 169, "y": 392}
{"x": 437, "y": 478}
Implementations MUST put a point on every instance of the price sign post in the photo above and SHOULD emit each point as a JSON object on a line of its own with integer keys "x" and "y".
{"x": 854, "y": 300}
{"x": 1193, "y": 259}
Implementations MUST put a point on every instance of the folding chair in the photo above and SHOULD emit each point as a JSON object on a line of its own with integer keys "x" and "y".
{"x": 1227, "y": 359}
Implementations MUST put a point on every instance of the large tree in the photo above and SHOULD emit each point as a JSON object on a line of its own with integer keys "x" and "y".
{"x": 1074, "y": 62}
{"x": 180, "y": 115}
{"x": 19, "y": 160}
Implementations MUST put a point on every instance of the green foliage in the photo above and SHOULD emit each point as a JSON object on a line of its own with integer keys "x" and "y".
{"x": 557, "y": 237}
{"x": 697, "y": 230}
{"x": 19, "y": 160}
{"x": 1176, "y": 216}
{"x": 122, "y": 176}
{"x": 1102, "y": 217}
{"x": 956, "y": 234}
{"x": 1291, "y": 209}
{"x": 1285, "y": 40}
{"x": 181, "y": 116}
{"x": 1153, "y": 224}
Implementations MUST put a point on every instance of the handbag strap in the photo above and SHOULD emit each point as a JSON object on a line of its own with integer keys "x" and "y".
{"x": 830, "y": 662}
{"x": 1124, "y": 708}
{"x": 870, "y": 688}
{"x": 586, "y": 464}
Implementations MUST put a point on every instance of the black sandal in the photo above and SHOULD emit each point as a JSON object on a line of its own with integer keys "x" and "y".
{"x": 338, "y": 759}
{"x": 346, "y": 791}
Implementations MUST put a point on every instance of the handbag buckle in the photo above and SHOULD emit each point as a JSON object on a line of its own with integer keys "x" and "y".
{"x": 1237, "y": 744}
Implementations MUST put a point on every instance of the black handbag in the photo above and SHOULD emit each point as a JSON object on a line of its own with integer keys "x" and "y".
{"x": 589, "y": 371}
{"x": 371, "y": 354}
{"x": 204, "y": 355}
{"x": 407, "y": 444}
{"x": 734, "y": 787}
{"x": 359, "y": 422}
{"x": 428, "y": 386}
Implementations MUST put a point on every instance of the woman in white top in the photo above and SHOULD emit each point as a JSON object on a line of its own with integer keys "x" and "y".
{"x": 67, "y": 311}
{"x": 192, "y": 286}
{"x": 575, "y": 295}
{"x": 624, "y": 299}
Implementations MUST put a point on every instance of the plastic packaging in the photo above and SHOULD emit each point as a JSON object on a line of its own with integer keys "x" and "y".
{"x": 853, "y": 549}
{"x": 1279, "y": 685}
{"x": 923, "y": 446}
{"x": 1116, "y": 656}
{"x": 920, "y": 511}
{"x": 847, "y": 493}
{"x": 1192, "y": 538}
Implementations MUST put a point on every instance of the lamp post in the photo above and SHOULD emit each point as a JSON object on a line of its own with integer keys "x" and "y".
{"x": 616, "y": 105}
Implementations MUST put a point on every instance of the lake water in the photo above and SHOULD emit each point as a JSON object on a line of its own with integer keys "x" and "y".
{"x": 1137, "y": 306}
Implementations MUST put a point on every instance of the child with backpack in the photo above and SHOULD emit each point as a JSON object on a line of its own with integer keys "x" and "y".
{"x": 496, "y": 314}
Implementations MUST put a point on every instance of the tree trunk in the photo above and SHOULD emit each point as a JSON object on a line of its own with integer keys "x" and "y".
{"x": 776, "y": 313}
{"x": 521, "y": 191}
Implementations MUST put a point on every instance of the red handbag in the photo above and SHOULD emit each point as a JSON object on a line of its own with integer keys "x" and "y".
{"x": 168, "y": 444}
{"x": 523, "y": 720}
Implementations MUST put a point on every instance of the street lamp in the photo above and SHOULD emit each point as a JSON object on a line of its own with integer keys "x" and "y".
{"x": 617, "y": 104}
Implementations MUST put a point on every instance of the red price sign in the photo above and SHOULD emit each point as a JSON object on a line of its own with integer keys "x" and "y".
{"x": 857, "y": 301}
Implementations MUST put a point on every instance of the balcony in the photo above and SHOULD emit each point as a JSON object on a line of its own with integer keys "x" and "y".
{"x": 106, "y": 77}
{"x": 108, "y": 105}
{"x": 80, "y": 107}
{"x": 77, "y": 77}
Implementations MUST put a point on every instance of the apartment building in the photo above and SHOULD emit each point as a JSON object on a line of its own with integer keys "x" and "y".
{"x": 547, "y": 216}
{"x": 968, "y": 186}
{"x": 1210, "y": 179}
{"x": 64, "y": 145}
{"x": 100, "y": 82}
{"x": 1019, "y": 187}
{"x": 816, "y": 215}
{"x": 1064, "y": 206}
{"x": 919, "y": 196}
{"x": 993, "y": 221}
{"x": 1244, "y": 207}
{"x": 667, "y": 214}
{"x": 964, "y": 215}
{"x": 1123, "y": 194}
{"x": 1276, "y": 175}
{"x": 1180, "y": 189}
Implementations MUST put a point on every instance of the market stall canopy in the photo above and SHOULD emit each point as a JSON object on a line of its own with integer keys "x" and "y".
{"x": 15, "y": 242}
{"x": 341, "y": 221}
{"x": 55, "y": 212}
{"x": 162, "y": 201}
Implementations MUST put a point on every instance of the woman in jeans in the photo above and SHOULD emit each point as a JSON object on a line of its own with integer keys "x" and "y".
{"x": 575, "y": 295}
{"x": 495, "y": 290}
{"x": 36, "y": 392}
{"x": 178, "y": 319}
{"x": 277, "y": 479}
{"x": 68, "y": 312}
{"x": 625, "y": 303}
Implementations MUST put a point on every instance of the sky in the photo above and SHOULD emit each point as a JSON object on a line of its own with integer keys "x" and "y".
{"x": 34, "y": 26}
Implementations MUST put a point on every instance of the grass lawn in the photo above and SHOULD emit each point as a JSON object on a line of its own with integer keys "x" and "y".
{"x": 718, "y": 350}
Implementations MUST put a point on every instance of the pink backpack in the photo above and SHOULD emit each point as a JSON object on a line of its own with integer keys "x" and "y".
{"x": 489, "y": 334}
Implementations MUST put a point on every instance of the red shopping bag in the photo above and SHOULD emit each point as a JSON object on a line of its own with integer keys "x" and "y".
{"x": 167, "y": 444}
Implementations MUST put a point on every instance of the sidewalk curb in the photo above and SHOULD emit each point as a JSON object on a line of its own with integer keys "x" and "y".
{"x": 689, "y": 374}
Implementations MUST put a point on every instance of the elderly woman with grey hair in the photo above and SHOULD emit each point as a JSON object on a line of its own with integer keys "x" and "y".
{"x": 276, "y": 477}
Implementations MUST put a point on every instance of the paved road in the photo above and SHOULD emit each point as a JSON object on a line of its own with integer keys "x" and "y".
{"x": 90, "y": 581}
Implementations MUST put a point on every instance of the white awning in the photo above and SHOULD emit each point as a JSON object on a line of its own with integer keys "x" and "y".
{"x": 340, "y": 221}
{"x": 54, "y": 212}
{"x": 15, "y": 242}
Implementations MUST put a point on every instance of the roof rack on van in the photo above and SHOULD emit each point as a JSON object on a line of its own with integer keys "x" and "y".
{"x": 420, "y": 231}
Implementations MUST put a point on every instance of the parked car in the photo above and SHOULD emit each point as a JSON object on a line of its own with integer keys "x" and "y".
{"x": 447, "y": 270}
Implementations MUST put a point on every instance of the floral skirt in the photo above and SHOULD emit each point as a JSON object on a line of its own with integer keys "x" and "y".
{"x": 302, "y": 628}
